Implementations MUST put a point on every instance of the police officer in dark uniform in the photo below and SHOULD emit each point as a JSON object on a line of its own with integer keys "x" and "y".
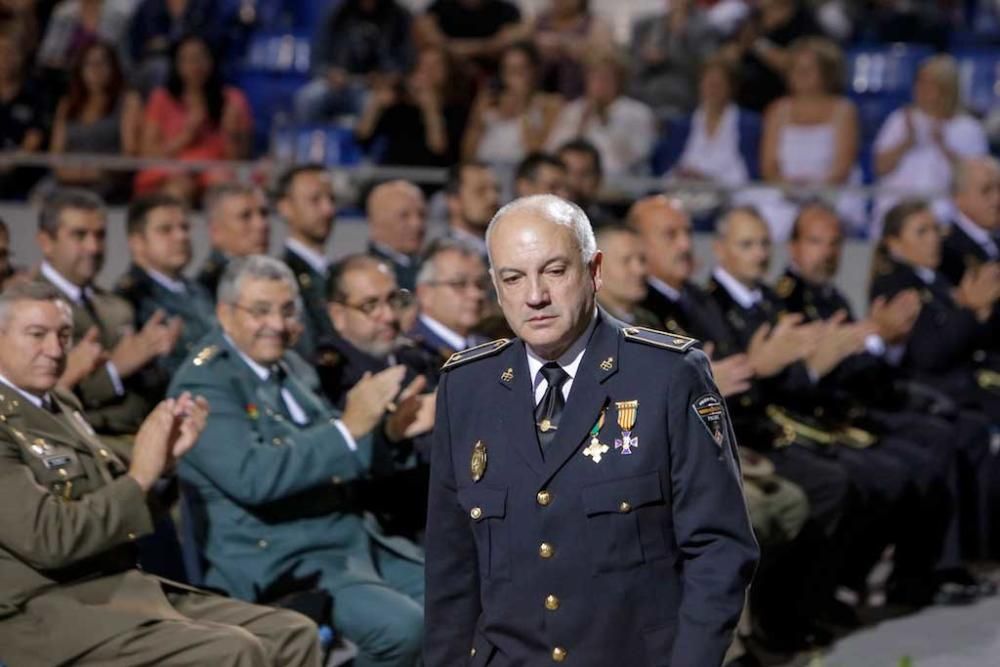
{"x": 868, "y": 391}
{"x": 585, "y": 502}
{"x": 159, "y": 236}
{"x": 452, "y": 292}
{"x": 304, "y": 198}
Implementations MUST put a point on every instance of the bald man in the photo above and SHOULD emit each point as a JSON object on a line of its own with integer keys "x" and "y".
{"x": 585, "y": 499}
{"x": 397, "y": 224}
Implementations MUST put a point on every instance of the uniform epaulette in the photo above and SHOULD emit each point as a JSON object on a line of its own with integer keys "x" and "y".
{"x": 205, "y": 355}
{"x": 477, "y": 352}
{"x": 656, "y": 338}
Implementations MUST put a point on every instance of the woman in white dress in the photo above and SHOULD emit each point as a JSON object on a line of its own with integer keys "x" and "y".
{"x": 919, "y": 144}
{"x": 811, "y": 137}
{"x": 513, "y": 117}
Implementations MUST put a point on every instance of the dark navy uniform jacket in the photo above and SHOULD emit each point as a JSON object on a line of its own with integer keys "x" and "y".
{"x": 637, "y": 559}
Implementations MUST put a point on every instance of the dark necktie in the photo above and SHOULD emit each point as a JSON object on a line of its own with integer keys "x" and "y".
{"x": 549, "y": 409}
{"x": 88, "y": 305}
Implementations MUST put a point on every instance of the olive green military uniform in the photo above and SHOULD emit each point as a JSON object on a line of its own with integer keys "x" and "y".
{"x": 109, "y": 412}
{"x": 69, "y": 589}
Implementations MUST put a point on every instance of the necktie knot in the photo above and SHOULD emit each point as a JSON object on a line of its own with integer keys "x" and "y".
{"x": 554, "y": 375}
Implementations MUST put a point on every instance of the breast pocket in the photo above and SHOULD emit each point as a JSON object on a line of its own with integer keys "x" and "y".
{"x": 625, "y": 522}
{"x": 487, "y": 510}
{"x": 61, "y": 471}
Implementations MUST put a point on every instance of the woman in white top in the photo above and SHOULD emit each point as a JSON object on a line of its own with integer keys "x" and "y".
{"x": 509, "y": 123}
{"x": 918, "y": 145}
{"x": 712, "y": 151}
{"x": 811, "y": 135}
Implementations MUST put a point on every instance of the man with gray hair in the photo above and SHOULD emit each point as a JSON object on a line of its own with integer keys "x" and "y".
{"x": 452, "y": 291}
{"x": 71, "y": 511}
{"x": 238, "y": 226}
{"x": 275, "y": 481}
{"x": 585, "y": 500}
{"x": 973, "y": 238}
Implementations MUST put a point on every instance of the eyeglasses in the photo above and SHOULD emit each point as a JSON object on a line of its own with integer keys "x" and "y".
{"x": 396, "y": 301}
{"x": 262, "y": 311}
{"x": 461, "y": 284}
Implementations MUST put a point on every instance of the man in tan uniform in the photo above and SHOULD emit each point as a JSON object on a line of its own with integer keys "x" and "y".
{"x": 71, "y": 510}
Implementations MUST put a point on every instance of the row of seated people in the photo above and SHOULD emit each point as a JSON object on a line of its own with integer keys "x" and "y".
{"x": 839, "y": 463}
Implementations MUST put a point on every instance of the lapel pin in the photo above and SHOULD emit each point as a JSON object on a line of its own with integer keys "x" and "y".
{"x": 607, "y": 364}
{"x": 507, "y": 375}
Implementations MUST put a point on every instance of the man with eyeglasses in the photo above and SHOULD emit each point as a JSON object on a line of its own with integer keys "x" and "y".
{"x": 452, "y": 289}
{"x": 275, "y": 486}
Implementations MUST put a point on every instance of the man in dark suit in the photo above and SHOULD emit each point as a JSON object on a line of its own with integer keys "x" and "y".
{"x": 452, "y": 289}
{"x": 974, "y": 236}
{"x": 304, "y": 199}
{"x": 239, "y": 225}
{"x": 585, "y": 501}
{"x": 397, "y": 224}
{"x": 112, "y": 371}
{"x": 159, "y": 238}
{"x": 473, "y": 196}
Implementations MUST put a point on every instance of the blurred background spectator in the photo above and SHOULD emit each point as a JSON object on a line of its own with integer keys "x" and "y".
{"x": 511, "y": 116}
{"x": 22, "y": 115}
{"x": 157, "y": 25}
{"x": 667, "y": 51}
{"x": 418, "y": 120}
{"x": 362, "y": 43}
{"x": 193, "y": 117}
{"x": 98, "y": 115}
{"x": 474, "y": 31}
{"x": 621, "y": 128}
{"x": 919, "y": 143}
{"x": 75, "y": 24}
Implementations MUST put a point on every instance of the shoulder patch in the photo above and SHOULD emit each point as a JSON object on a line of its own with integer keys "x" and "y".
{"x": 477, "y": 352}
{"x": 205, "y": 355}
{"x": 657, "y": 338}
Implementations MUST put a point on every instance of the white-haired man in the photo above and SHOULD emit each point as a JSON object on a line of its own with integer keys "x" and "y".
{"x": 585, "y": 501}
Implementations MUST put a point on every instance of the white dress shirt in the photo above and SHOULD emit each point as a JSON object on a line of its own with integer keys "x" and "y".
{"x": 569, "y": 361}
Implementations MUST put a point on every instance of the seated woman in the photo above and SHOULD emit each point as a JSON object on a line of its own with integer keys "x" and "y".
{"x": 511, "y": 117}
{"x": 811, "y": 138}
{"x": 194, "y": 117}
{"x": 947, "y": 346}
{"x": 722, "y": 143}
{"x": 919, "y": 144}
{"x": 97, "y": 115}
{"x": 421, "y": 119}
{"x": 564, "y": 33}
{"x": 622, "y": 129}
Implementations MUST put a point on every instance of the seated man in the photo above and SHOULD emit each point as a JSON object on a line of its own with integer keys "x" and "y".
{"x": 118, "y": 393}
{"x": 159, "y": 241}
{"x": 71, "y": 512}
{"x": 397, "y": 224}
{"x": 452, "y": 289}
{"x": 239, "y": 225}
{"x": 273, "y": 483}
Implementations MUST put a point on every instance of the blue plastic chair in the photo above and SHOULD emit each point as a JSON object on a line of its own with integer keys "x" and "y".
{"x": 979, "y": 78}
{"x": 884, "y": 70}
{"x": 330, "y": 145}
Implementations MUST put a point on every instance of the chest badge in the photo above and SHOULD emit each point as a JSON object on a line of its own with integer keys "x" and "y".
{"x": 627, "y": 412}
{"x": 477, "y": 465}
{"x": 596, "y": 449}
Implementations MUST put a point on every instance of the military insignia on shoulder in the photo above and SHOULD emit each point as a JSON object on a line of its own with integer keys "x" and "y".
{"x": 477, "y": 352}
{"x": 712, "y": 415}
{"x": 656, "y": 338}
{"x": 785, "y": 287}
{"x": 205, "y": 355}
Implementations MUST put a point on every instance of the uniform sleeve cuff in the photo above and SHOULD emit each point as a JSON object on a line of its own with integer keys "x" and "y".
{"x": 136, "y": 517}
{"x": 348, "y": 438}
{"x": 116, "y": 380}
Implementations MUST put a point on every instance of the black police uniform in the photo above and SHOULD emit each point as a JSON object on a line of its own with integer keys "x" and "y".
{"x": 625, "y": 541}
